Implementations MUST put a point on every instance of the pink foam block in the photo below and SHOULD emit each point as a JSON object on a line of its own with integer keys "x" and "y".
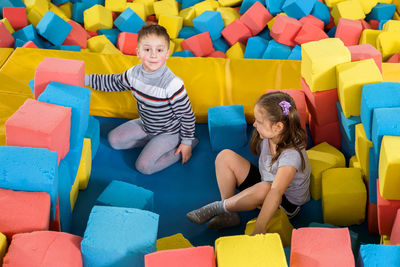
{"x": 321, "y": 104}
{"x": 195, "y": 257}
{"x": 22, "y": 212}
{"x": 77, "y": 36}
{"x": 6, "y": 39}
{"x": 41, "y": 125}
{"x": 318, "y": 246}
{"x": 308, "y": 33}
{"x": 61, "y": 70}
{"x": 329, "y": 133}
{"x": 285, "y": 29}
{"x": 349, "y": 31}
{"x": 366, "y": 51}
{"x": 312, "y": 20}
{"x": 256, "y": 18}
{"x": 44, "y": 249}
{"x": 217, "y": 53}
{"x": 200, "y": 44}
{"x": 235, "y": 32}
{"x": 30, "y": 44}
{"x": 394, "y": 59}
{"x": 387, "y": 210}
{"x": 16, "y": 16}
{"x": 127, "y": 43}
{"x": 365, "y": 25}
{"x": 372, "y": 218}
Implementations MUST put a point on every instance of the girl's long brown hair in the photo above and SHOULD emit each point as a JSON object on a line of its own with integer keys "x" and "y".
{"x": 292, "y": 135}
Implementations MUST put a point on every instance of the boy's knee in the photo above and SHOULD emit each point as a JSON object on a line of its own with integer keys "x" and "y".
{"x": 144, "y": 167}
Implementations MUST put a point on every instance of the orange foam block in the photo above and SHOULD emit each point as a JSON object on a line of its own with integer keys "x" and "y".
{"x": 77, "y": 36}
{"x": 387, "y": 210}
{"x": 256, "y": 18}
{"x": 202, "y": 256}
{"x": 349, "y": 31}
{"x": 366, "y": 51}
{"x": 44, "y": 249}
{"x": 310, "y": 19}
{"x": 40, "y": 125}
{"x": 127, "y": 43}
{"x": 16, "y": 16}
{"x": 6, "y": 39}
{"x": 285, "y": 29}
{"x": 329, "y": 133}
{"x": 200, "y": 44}
{"x": 308, "y": 33}
{"x": 317, "y": 246}
{"x": 23, "y": 212}
{"x": 372, "y": 218}
{"x": 30, "y": 44}
{"x": 394, "y": 59}
{"x": 66, "y": 71}
{"x": 235, "y": 32}
{"x": 321, "y": 104}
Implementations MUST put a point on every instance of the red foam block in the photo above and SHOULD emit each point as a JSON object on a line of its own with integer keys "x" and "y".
{"x": 16, "y": 16}
{"x": 285, "y": 30}
{"x": 235, "y": 32}
{"x": 6, "y": 39}
{"x": 366, "y": 51}
{"x": 256, "y": 18}
{"x": 395, "y": 235}
{"x": 200, "y": 44}
{"x": 77, "y": 36}
{"x": 372, "y": 219}
{"x": 308, "y": 33}
{"x": 329, "y": 133}
{"x": 387, "y": 210}
{"x": 312, "y": 20}
{"x": 394, "y": 59}
{"x": 349, "y": 31}
{"x": 30, "y": 44}
{"x": 127, "y": 43}
{"x": 218, "y": 54}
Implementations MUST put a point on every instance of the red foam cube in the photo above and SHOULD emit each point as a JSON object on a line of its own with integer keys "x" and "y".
{"x": 235, "y": 32}
{"x": 16, "y": 16}
{"x": 6, "y": 38}
{"x": 256, "y": 18}
{"x": 285, "y": 29}
{"x": 77, "y": 36}
{"x": 372, "y": 218}
{"x": 127, "y": 43}
{"x": 394, "y": 59}
{"x": 218, "y": 54}
{"x": 312, "y": 20}
{"x": 41, "y": 125}
{"x": 365, "y": 25}
{"x": 30, "y": 44}
{"x": 200, "y": 44}
{"x": 308, "y": 33}
{"x": 387, "y": 210}
{"x": 329, "y": 133}
{"x": 349, "y": 31}
{"x": 366, "y": 51}
{"x": 374, "y": 24}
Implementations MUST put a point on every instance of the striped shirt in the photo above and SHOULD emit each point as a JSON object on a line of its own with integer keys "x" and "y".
{"x": 162, "y": 102}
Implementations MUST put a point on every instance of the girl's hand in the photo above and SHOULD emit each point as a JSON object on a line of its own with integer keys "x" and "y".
{"x": 186, "y": 152}
{"x": 258, "y": 230}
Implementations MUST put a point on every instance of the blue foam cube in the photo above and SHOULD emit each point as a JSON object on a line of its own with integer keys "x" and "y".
{"x": 298, "y": 8}
{"x": 265, "y": 33}
{"x": 93, "y": 133}
{"x": 30, "y": 169}
{"x": 189, "y": 3}
{"x": 276, "y": 50}
{"x": 378, "y": 255}
{"x": 227, "y": 127}
{"x": 274, "y": 6}
{"x": 373, "y": 163}
{"x": 64, "y": 189}
{"x": 382, "y": 11}
{"x": 331, "y": 33}
{"x": 122, "y": 194}
{"x": 29, "y": 33}
{"x": 183, "y": 53}
{"x": 322, "y": 12}
{"x": 346, "y": 147}
{"x": 381, "y": 23}
{"x": 246, "y": 4}
{"x": 74, "y": 48}
{"x": 32, "y": 86}
{"x": 59, "y": 2}
{"x": 111, "y": 34}
{"x": 295, "y": 54}
{"x": 348, "y": 124}
{"x": 187, "y": 32}
{"x": 385, "y": 121}
{"x": 220, "y": 44}
{"x": 73, "y": 158}
{"x": 77, "y": 11}
{"x": 377, "y": 95}
{"x": 53, "y": 28}
{"x": 120, "y": 237}
{"x": 129, "y": 21}
{"x": 255, "y": 47}
{"x": 211, "y": 22}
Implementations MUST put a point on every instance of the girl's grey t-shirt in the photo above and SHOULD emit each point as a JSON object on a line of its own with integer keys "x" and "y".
{"x": 298, "y": 191}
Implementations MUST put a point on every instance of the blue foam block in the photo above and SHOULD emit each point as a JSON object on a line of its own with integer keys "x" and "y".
{"x": 77, "y": 11}
{"x": 381, "y": 23}
{"x": 346, "y": 147}
{"x": 64, "y": 189}
{"x": 265, "y": 33}
{"x": 373, "y": 164}
{"x": 295, "y": 54}
{"x": 32, "y": 86}
{"x": 211, "y": 22}
{"x": 220, "y": 44}
{"x": 183, "y": 53}
{"x": 378, "y": 255}
{"x": 59, "y": 2}
{"x": 75, "y": 97}
{"x": 322, "y": 12}
{"x": 274, "y": 6}
{"x": 53, "y": 28}
{"x": 73, "y": 158}
{"x": 246, "y": 4}
{"x": 227, "y": 127}
{"x": 298, "y": 8}
{"x": 120, "y": 237}
{"x": 30, "y": 169}
{"x": 255, "y": 47}
{"x": 29, "y": 33}
{"x": 93, "y": 132}
{"x": 331, "y": 33}
{"x": 18, "y": 43}
{"x": 377, "y": 95}
{"x": 111, "y": 34}
{"x": 129, "y": 21}
{"x": 75, "y": 48}
{"x": 122, "y": 194}
{"x": 385, "y": 121}
{"x": 187, "y": 32}
{"x": 347, "y": 124}
{"x": 382, "y": 11}
{"x": 276, "y": 50}
{"x": 189, "y": 3}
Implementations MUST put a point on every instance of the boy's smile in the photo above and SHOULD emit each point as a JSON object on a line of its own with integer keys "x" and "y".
{"x": 153, "y": 51}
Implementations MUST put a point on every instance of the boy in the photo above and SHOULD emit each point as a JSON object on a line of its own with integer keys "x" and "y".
{"x": 166, "y": 125}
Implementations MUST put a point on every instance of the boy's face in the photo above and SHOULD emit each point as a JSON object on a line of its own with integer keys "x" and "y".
{"x": 153, "y": 51}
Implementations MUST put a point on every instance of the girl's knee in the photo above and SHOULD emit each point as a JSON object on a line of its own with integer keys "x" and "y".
{"x": 224, "y": 156}
{"x": 262, "y": 191}
{"x": 144, "y": 167}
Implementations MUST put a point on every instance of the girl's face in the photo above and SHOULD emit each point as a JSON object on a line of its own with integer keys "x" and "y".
{"x": 153, "y": 51}
{"x": 264, "y": 126}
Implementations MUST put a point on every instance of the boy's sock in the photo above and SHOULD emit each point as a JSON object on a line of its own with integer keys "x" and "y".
{"x": 206, "y": 212}
{"x": 227, "y": 219}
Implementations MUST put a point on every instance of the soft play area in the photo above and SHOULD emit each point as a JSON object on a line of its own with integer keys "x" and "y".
{"x": 67, "y": 198}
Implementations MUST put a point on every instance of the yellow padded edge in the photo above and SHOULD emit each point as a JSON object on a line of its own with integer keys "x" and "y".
{"x": 4, "y": 54}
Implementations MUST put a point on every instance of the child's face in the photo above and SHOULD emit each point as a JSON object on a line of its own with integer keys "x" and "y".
{"x": 153, "y": 51}
{"x": 264, "y": 126}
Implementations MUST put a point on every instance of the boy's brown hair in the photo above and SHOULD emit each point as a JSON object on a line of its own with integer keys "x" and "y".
{"x": 153, "y": 29}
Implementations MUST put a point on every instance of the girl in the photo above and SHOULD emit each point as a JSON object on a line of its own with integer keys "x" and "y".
{"x": 282, "y": 178}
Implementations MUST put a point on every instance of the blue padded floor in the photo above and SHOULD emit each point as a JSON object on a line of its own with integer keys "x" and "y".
{"x": 177, "y": 190}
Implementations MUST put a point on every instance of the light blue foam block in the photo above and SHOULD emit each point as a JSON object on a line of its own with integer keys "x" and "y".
{"x": 346, "y": 147}
{"x": 331, "y": 33}
{"x": 322, "y": 12}
{"x": 183, "y": 53}
{"x": 385, "y": 121}
{"x": 111, "y": 34}
{"x": 274, "y": 6}
{"x": 255, "y": 47}
{"x": 53, "y": 28}
{"x": 377, "y": 95}
{"x": 29, "y": 33}
{"x": 220, "y": 44}
{"x": 129, "y": 21}
{"x": 77, "y": 11}
{"x": 295, "y": 54}
{"x": 189, "y": 3}
{"x": 246, "y": 4}
{"x": 373, "y": 163}
{"x": 347, "y": 124}
{"x": 382, "y": 11}
{"x": 126, "y": 195}
{"x": 378, "y": 255}
{"x": 118, "y": 237}
{"x": 209, "y": 21}
{"x": 187, "y": 32}
{"x": 75, "y": 48}
{"x": 73, "y": 158}
{"x": 227, "y": 127}
{"x": 30, "y": 169}
{"x": 276, "y": 50}
{"x": 93, "y": 133}
{"x": 64, "y": 189}
{"x": 265, "y": 33}
{"x": 298, "y": 8}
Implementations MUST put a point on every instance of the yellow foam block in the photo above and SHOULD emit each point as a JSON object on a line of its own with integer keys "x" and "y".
{"x": 67, "y": 9}
{"x": 173, "y": 24}
{"x": 367, "y": 5}
{"x": 171, "y": 47}
{"x": 115, "y": 5}
{"x": 8, "y": 25}
{"x": 148, "y": 6}
{"x": 385, "y": 240}
{"x": 177, "y": 44}
{"x": 207, "y": 5}
{"x": 166, "y": 7}
{"x": 236, "y": 51}
{"x": 353, "y": 162}
{"x": 319, "y": 60}
{"x": 322, "y": 157}
{"x": 344, "y": 196}
{"x": 228, "y": 14}
{"x": 396, "y": 16}
{"x": 271, "y": 22}
{"x": 279, "y": 224}
{"x": 361, "y": 147}
{"x": 138, "y": 8}
{"x": 389, "y": 168}
{"x": 397, "y": 3}
{"x": 176, "y": 241}
{"x": 349, "y": 9}
{"x": 34, "y": 15}
{"x": 101, "y": 43}
{"x": 243, "y": 250}
{"x": 85, "y": 165}
{"x": 73, "y": 194}
{"x": 331, "y": 3}
{"x": 388, "y": 43}
{"x": 110, "y": 49}
{"x": 58, "y": 11}
{"x": 385, "y": 1}
{"x": 369, "y": 37}
{"x": 97, "y": 17}
{"x": 351, "y": 77}
{"x": 3, "y": 246}
{"x": 42, "y": 5}
{"x": 229, "y": 3}
{"x": 391, "y": 26}
{"x": 187, "y": 15}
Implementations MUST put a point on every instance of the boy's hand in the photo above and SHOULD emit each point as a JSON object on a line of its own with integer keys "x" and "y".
{"x": 186, "y": 152}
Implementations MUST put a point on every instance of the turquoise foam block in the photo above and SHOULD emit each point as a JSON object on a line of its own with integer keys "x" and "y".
{"x": 331, "y": 33}
{"x": 75, "y": 97}
{"x": 298, "y": 8}
{"x": 322, "y": 12}
{"x": 93, "y": 133}
{"x": 129, "y": 21}
{"x": 120, "y": 237}
{"x": 385, "y": 121}
{"x": 276, "y": 50}
{"x": 73, "y": 158}
{"x": 274, "y": 6}
{"x": 373, "y": 162}
{"x": 64, "y": 189}
{"x": 347, "y": 148}
{"x": 30, "y": 169}
{"x": 122, "y": 194}
{"x": 75, "y": 48}
{"x": 111, "y": 34}
{"x": 246, "y": 4}
{"x": 220, "y": 44}
{"x": 183, "y": 53}
{"x": 295, "y": 54}
{"x": 211, "y": 22}
{"x": 187, "y": 32}
{"x": 29, "y": 33}
{"x": 189, "y": 3}
{"x": 378, "y": 255}
{"x": 348, "y": 125}
{"x": 377, "y": 95}
{"x": 382, "y": 11}
{"x": 255, "y": 47}
{"x": 53, "y": 28}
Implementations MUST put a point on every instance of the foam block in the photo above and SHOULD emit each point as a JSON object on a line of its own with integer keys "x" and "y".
{"x": 384, "y": 122}
{"x": 111, "y": 34}
{"x": 326, "y": 245}
{"x": 395, "y": 234}
{"x": 211, "y": 22}
{"x": 16, "y": 16}
{"x": 66, "y": 71}
{"x": 344, "y": 196}
{"x": 53, "y": 28}
{"x": 382, "y": 11}
{"x": 3, "y": 246}
{"x": 372, "y": 218}
{"x": 276, "y": 50}
{"x": 298, "y": 8}
{"x": 329, "y": 133}
{"x": 196, "y": 256}
{"x": 170, "y": 8}
{"x": 349, "y": 31}
{"x": 29, "y": 33}
{"x": 85, "y": 165}
{"x": 256, "y": 18}
{"x": 387, "y": 210}
{"x": 102, "y": 44}
{"x": 129, "y": 21}
{"x": 30, "y": 44}
{"x": 200, "y": 44}
{"x": 6, "y": 39}
{"x": 77, "y": 36}
{"x": 322, "y": 157}
{"x": 93, "y": 133}
{"x": 369, "y": 37}
{"x": 227, "y": 127}
{"x": 176, "y": 241}
{"x": 237, "y": 31}
{"x": 274, "y": 7}
{"x": 115, "y": 5}
{"x": 373, "y": 174}
{"x": 347, "y": 124}
{"x": 308, "y": 33}
{"x": 295, "y": 54}
{"x": 236, "y": 51}
{"x": 243, "y": 250}
{"x": 389, "y": 166}
{"x": 119, "y": 236}
{"x": 64, "y": 188}
{"x": 255, "y": 47}
{"x": 310, "y": 19}
{"x": 322, "y": 12}
{"x": 347, "y": 10}
{"x": 379, "y": 255}
{"x": 362, "y": 145}
{"x": 388, "y": 43}
{"x": 365, "y": 51}
{"x": 346, "y": 146}
{"x": 285, "y": 30}
{"x": 44, "y": 248}
{"x": 98, "y": 17}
